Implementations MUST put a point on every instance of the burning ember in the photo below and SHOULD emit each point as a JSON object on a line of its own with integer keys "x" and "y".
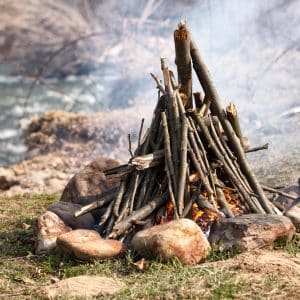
{"x": 204, "y": 217}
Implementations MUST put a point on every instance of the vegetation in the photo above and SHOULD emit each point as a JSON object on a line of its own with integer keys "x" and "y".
{"x": 22, "y": 274}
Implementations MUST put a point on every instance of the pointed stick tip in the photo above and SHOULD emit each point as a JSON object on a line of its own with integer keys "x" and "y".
{"x": 182, "y": 24}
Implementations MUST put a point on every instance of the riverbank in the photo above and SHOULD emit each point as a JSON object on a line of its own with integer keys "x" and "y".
{"x": 61, "y": 143}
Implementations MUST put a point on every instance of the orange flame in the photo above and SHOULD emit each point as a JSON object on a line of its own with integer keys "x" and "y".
{"x": 204, "y": 217}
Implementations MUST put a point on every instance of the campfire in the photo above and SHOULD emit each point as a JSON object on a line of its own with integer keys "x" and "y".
{"x": 190, "y": 162}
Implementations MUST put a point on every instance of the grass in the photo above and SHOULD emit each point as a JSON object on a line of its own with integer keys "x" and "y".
{"x": 23, "y": 274}
{"x": 291, "y": 246}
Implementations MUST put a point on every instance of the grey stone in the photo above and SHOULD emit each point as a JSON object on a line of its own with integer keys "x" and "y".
{"x": 87, "y": 185}
{"x": 66, "y": 210}
{"x": 294, "y": 215}
{"x": 249, "y": 232}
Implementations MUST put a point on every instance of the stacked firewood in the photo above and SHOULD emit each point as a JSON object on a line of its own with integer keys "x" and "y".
{"x": 192, "y": 154}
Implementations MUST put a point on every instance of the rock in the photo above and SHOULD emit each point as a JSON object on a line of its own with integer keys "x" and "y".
{"x": 88, "y": 245}
{"x": 294, "y": 215}
{"x": 83, "y": 287}
{"x": 87, "y": 185}
{"x": 181, "y": 239}
{"x": 283, "y": 202}
{"x": 49, "y": 227}
{"x": 6, "y": 184}
{"x": 248, "y": 232}
{"x": 66, "y": 210}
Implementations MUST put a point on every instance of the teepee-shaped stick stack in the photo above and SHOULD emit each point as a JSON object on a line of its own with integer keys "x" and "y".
{"x": 191, "y": 161}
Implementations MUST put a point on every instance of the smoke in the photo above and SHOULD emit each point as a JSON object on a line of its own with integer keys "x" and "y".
{"x": 250, "y": 47}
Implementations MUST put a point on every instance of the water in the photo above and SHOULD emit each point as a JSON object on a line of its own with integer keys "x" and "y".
{"x": 85, "y": 94}
{"x": 251, "y": 49}
{"x": 17, "y": 109}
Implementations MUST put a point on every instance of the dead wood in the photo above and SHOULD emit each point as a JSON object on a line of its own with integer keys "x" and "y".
{"x": 211, "y": 91}
{"x": 235, "y": 123}
{"x": 137, "y": 215}
{"x": 183, "y": 62}
{"x": 183, "y": 165}
{"x": 276, "y": 191}
{"x": 102, "y": 201}
{"x": 198, "y": 100}
{"x": 265, "y": 146}
{"x": 190, "y": 157}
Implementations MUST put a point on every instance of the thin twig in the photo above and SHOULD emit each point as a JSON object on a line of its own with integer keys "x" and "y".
{"x": 129, "y": 145}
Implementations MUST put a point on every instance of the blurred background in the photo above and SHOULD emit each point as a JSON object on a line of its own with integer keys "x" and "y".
{"x": 92, "y": 56}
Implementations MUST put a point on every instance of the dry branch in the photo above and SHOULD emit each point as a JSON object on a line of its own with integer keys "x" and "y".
{"x": 211, "y": 91}
{"x": 183, "y": 62}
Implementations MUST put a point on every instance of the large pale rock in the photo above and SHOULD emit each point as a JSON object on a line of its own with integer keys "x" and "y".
{"x": 83, "y": 287}
{"x": 181, "y": 239}
{"x": 248, "y": 232}
{"x": 88, "y": 245}
{"x": 66, "y": 210}
{"x": 49, "y": 227}
{"x": 88, "y": 184}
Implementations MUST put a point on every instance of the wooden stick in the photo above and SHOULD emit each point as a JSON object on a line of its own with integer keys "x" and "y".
{"x": 107, "y": 213}
{"x": 183, "y": 62}
{"x": 149, "y": 180}
{"x": 205, "y": 160}
{"x": 140, "y": 132}
{"x": 137, "y": 177}
{"x": 198, "y": 100}
{"x": 204, "y": 204}
{"x": 202, "y": 176}
{"x": 171, "y": 191}
{"x": 226, "y": 157}
{"x": 225, "y": 206}
{"x": 265, "y": 146}
{"x": 269, "y": 189}
{"x": 107, "y": 197}
{"x": 148, "y": 161}
{"x": 205, "y": 107}
{"x": 168, "y": 154}
{"x": 120, "y": 170}
{"x": 189, "y": 204}
{"x": 233, "y": 118}
{"x": 183, "y": 165}
{"x": 109, "y": 226}
{"x": 235, "y": 167}
{"x": 159, "y": 85}
{"x": 139, "y": 214}
{"x": 231, "y": 176}
{"x": 197, "y": 152}
{"x": 129, "y": 145}
{"x": 173, "y": 119}
{"x": 211, "y": 91}
{"x": 119, "y": 197}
